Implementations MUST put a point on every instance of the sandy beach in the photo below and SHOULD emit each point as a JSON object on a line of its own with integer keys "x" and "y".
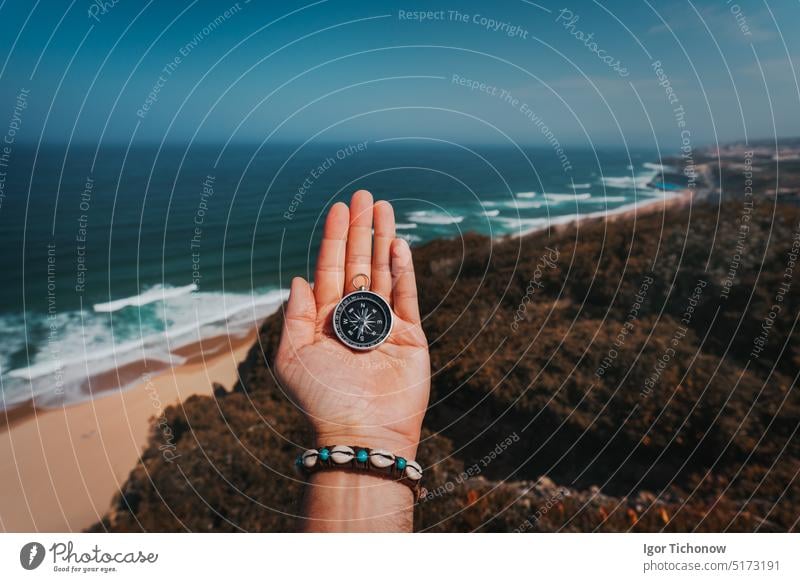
{"x": 679, "y": 199}
{"x": 61, "y": 467}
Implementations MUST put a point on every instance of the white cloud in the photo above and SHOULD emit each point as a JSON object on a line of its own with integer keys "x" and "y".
{"x": 734, "y": 20}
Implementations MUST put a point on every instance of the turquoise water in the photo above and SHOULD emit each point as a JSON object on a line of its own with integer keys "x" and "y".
{"x": 116, "y": 256}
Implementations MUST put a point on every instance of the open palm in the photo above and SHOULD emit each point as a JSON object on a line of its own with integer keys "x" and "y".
{"x": 375, "y": 398}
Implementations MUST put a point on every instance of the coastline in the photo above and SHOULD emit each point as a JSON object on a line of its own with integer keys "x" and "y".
{"x": 679, "y": 199}
{"x": 62, "y": 466}
{"x": 53, "y": 450}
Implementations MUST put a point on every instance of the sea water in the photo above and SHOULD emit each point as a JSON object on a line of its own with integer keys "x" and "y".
{"x": 116, "y": 255}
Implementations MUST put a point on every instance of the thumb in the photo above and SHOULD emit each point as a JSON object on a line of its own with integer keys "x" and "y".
{"x": 299, "y": 320}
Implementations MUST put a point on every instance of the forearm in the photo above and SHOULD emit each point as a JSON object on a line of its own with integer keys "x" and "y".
{"x": 341, "y": 501}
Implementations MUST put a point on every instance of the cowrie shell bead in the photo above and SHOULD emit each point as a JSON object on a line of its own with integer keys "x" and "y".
{"x": 381, "y": 458}
{"x": 413, "y": 471}
{"x": 310, "y": 458}
{"x": 341, "y": 455}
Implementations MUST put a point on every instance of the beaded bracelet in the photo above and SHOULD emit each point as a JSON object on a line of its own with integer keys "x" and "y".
{"x": 374, "y": 461}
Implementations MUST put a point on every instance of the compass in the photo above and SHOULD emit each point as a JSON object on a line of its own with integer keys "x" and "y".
{"x": 362, "y": 319}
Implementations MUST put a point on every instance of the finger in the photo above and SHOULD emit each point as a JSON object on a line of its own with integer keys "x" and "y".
{"x": 359, "y": 240}
{"x": 404, "y": 283}
{"x": 329, "y": 277}
{"x": 383, "y": 217}
{"x": 299, "y": 320}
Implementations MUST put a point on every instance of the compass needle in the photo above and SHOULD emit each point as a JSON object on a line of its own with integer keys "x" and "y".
{"x": 362, "y": 319}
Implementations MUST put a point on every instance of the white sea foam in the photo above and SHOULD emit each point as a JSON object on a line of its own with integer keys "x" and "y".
{"x": 153, "y": 294}
{"x": 521, "y": 226}
{"x": 10, "y": 324}
{"x": 626, "y": 182}
{"x": 558, "y": 197}
{"x": 433, "y": 217}
{"x": 518, "y": 224}
{"x": 87, "y": 346}
{"x": 410, "y": 238}
{"x": 639, "y": 182}
{"x": 607, "y": 199}
{"x": 491, "y": 212}
{"x": 525, "y": 204}
{"x": 601, "y": 213}
{"x": 526, "y": 194}
{"x": 657, "y": 167}
{"x": 405, "y": 225}
{"x": 581, "y": 186}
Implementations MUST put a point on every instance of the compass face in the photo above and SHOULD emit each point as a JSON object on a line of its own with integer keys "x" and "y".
{"x": 362, "y": 320}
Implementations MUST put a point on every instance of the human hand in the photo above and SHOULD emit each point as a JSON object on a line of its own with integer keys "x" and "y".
{"x": 376, "y": 398}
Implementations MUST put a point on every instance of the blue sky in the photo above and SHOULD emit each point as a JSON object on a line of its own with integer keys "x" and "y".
{"x": 339, "y": 71}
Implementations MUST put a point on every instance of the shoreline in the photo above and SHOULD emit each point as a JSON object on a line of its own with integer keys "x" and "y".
{"x": 132, "y": 375}
{"x": 62, "y": 466}
{"x": 679, "y": 199}
{"x": 50, "y": 450}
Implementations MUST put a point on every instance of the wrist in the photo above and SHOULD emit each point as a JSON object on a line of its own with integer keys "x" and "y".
{"x": 401, "y": 444}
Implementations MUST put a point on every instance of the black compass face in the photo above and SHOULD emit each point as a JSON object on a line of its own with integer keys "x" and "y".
{"x": 362, "y": 320}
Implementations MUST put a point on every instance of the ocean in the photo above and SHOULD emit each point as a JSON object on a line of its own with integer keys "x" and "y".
{"x": 119, "y": 255}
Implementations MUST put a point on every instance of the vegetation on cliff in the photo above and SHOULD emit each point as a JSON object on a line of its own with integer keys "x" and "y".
{"x": 637, "y": 373}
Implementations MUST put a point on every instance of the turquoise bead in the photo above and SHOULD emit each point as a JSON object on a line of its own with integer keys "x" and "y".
{"x": 324, "y": 455}
{"x": 401, "y": 463}
{"x": 298, "y": 461}
{"x": 362, "y": 456}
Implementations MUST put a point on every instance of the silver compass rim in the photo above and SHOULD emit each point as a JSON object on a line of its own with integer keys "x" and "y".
{"x": 345, "y": 340}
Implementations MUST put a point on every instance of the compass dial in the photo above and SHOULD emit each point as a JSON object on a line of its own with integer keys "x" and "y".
{"x": 362, "y": 320}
